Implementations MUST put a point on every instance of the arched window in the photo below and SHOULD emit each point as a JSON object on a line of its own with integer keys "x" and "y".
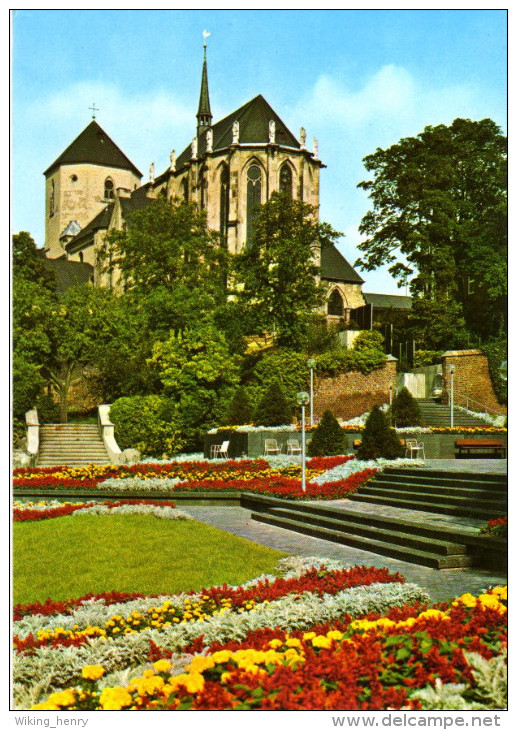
{"x": 254, "y": 199}
{"x": 224, "y": 202}
{"x": 204, "y": 188}
{"x": 52, "y": 199}
{"x": 109, "y": 189}
{"x": 335, "y": 304}
{"x": 286, "y": 180}
{"x": 184, "y": 187}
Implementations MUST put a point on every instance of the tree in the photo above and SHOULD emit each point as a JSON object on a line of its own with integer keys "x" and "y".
{"x": 273, "y": 409}
{"x": 329, "y": 438}
{"x": 28, "y": 264}
{"x": 276, "y": 275}
{"x": 378, "y": 439}
{"x": 239, "y": 411}
{"x": 405, "y": 410}
{"x": 439, "y": 218}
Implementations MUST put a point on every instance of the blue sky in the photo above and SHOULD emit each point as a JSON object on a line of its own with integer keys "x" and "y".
{"x": 355, "y": 79}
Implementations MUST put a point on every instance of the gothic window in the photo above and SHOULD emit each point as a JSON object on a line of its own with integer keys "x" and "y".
{"x": 224, "y": 202}
{"x": 335, "y": 304}
{"x": 204, "y": 188}
{"x": 184, "y": 187}
{"x": 254, "y": 198}
{"x": 52, "y": 200}
{"x": 286, "y": 180}
{"x": 109, "y": 189}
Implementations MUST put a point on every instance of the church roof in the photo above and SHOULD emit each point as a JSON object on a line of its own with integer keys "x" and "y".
{"x": 68, "y": 273}
{"x": 93, "y": 146}
{"x": 335, "y": 267}
{"x": 385, "y": 301}
{"x": 100, "y": 222}
{"x": 253, "y": 118}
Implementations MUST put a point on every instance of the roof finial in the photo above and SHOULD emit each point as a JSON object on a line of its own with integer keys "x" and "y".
{"x": 94, "y": 109}
{"x": 204, "y": 115}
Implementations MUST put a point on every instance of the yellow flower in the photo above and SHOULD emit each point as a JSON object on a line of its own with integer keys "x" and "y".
{"x": 275, "y": 643}
{"x": 162, "y": 665}
{"x": 467, "y": 599}
{"x": 337, "y": 635}
{"x": 92, "y": 671}
{"x": 434, "y": 613}
{"x": 308, "y": 635}
{"x": 502, "y": 592}
{"x": 321, "y": 642}
{"x": 221, "y": 657}
{"x": 63, "y": 699}
{"x": 115, "y": 698}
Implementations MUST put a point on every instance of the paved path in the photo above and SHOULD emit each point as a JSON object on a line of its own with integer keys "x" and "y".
{"x": 440, "y": 584}
{"x": 477, "y": 466}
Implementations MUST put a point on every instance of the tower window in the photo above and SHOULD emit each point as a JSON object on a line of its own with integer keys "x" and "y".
{"x": 286, "y": 180}
{"x": 254, "y": 199}
{"x": 335, "y": 304}
{"x": 52, "y": 199}
{"x": 73, "y": 178}
{"x": 224, "y": 202}
{"x": 109, "y": 189}
{"x": 184, "y": 185}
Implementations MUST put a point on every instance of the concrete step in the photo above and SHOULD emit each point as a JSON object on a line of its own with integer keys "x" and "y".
{"x": 369, "y": 544}
{"x": 432, "y": 505}
{"x": 458, "y": 499}
{"x": 451, "y": 480}
{"x": 443, "y": 474}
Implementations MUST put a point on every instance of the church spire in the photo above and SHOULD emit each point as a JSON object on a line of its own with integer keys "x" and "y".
{"x": 204, "y": 115}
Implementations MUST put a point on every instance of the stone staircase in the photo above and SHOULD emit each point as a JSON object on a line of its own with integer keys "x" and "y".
{"x": 64, "y": 444}
{"x": 406, "y": 533}
{"x": 464, "y": 494}
{"x": 438, "y": 414}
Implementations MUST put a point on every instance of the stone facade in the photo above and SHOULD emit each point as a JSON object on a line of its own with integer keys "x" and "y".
{"x": 471, "y": 379}
{"x": 352, "y": 394}
{"x": 77, "y": 192}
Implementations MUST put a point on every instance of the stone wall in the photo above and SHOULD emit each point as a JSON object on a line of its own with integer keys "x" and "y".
{"x": 472, "y": 379}
{"x": 352, "y": 394}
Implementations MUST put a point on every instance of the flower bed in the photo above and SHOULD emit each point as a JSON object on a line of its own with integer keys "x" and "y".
{"x": 496, "y": 528}
{"x": 46, "y": 510}
{"x": 319, "y": 638}
{"x": 283, "y": 480}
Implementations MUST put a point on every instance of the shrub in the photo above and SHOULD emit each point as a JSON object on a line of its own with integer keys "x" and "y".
{"x": 27, "y": 383}
{"x": 365, "y": 355}
{"x": 239, "y": 411}
{"x": 284, "y": 367}
{"x": 405, "y": 410}
{"x": 496, "y": 351}
{"x": 148, "y": 423}
{"x": 378, "y": 439}
{"x": 273, "y": 409}
{"x": 48, "y": 409}
{"x": 328, "y": 439}
{"x": 427, "y": 357}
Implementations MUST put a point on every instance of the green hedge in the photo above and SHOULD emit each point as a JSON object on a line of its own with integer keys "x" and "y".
{"x": 148, "y": 423}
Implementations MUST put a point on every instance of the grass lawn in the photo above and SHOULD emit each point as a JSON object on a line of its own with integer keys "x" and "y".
{"x": 67, "y": 557}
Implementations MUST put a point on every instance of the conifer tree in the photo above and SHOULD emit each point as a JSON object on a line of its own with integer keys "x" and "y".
{"x": 379, "y": 440}
{"x": 239, "y": 411}
{"x": 405, "y": 410}
{"x": 328, "y": 439}
{"x": 273, "y": 409}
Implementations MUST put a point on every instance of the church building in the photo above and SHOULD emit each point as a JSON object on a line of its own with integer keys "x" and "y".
{"x": 228, "y": 168}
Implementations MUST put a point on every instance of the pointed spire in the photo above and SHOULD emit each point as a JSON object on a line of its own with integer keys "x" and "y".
{"x": 204, "y": 115}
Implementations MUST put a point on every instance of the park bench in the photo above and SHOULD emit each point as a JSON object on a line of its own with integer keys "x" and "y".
{"x": 467, "y": 446}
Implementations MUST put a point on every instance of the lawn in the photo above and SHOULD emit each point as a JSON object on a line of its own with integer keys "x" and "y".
{"x": 71, "y": 556}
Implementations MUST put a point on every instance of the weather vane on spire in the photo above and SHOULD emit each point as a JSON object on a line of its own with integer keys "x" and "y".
{"x": 94, "y": 109}
{"x": 206, "y": 34}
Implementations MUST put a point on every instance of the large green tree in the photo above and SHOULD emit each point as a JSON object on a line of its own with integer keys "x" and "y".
{"x": 276, "y": 276}
{"x": 439, "y": 218}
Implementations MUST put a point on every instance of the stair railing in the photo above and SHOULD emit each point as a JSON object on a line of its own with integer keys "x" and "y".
{"x": 32, "y": 421}
{"x": 469, "y": 400}
{"x": 107, "y": 432}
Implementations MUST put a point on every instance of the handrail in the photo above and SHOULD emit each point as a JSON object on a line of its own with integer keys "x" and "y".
{"x": 107, "y": 432}
{"x": 468, "y": 398}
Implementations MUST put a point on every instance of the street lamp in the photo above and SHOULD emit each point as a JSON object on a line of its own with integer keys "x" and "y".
{"x": 311, "y": 364}
{"x": 451, "y": 396}
{"x": 503, "y": 370}
{"x": 302, "y": 399}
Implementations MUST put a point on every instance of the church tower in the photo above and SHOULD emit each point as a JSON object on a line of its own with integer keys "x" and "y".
{"x": 81, "y": 182}
{"x": 204, "y": 115}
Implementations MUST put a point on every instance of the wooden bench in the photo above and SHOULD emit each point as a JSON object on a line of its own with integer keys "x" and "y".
{"x": 466, "y": 446}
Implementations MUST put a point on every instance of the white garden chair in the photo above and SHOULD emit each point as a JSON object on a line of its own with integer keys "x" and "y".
{"x": 219, "y": 451}
{"x": 293, "y": 446}
{"x": 414, "y": 447}
{"x": 271, "y": 447}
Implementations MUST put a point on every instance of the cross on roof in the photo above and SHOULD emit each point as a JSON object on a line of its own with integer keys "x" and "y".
{"x": 94, "y": 109}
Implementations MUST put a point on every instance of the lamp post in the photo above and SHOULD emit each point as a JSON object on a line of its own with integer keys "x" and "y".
{"x": 302, "y": 399}
{"x": 503, "y": 370}
{"x": 451, "y": 396}
{"x": 391, "y": 401}
{"x": 311, "y": 364}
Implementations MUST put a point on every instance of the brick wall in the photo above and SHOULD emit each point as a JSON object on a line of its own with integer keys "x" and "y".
{"x": 353, "y": 394}
{"x": 471, "y": 378}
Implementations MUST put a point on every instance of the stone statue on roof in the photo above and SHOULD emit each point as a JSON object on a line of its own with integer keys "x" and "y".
{"x": 235, "y": 133}
{"x": 194, "y": 148}
{"x": 315, "y": 148}
{"x": 272, "y": 131}
{"x": 173, "y": 161}
{"x": 151, "y": 172}
{"x": 303, "y": 136}
{"x": 209, "y": 140}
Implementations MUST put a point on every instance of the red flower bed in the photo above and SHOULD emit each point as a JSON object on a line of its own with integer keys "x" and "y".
{"x": 52, "y": 608}
{"x": 496, "y": 528}
{"x": 30, "y": 515}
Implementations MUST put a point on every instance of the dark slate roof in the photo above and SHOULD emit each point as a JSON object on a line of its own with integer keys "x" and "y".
{"x": 100, "y": 222}
{"x": 253, "y": 118}
{"x": 385, "y": 301}
{"x": 68, "y": 273}
{"x": 335, "y": 267}
{"x": 95, "y": 147}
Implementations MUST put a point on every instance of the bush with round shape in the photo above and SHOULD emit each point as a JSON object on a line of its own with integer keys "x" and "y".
{"x": 148, "y": 423}
{"x": 405, "y": 410}
{"x": 328, "y": 439}
{"x": 378, "y": 439}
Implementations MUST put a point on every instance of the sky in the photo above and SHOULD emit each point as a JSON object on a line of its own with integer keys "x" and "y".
{"x": 356, "y": 80}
